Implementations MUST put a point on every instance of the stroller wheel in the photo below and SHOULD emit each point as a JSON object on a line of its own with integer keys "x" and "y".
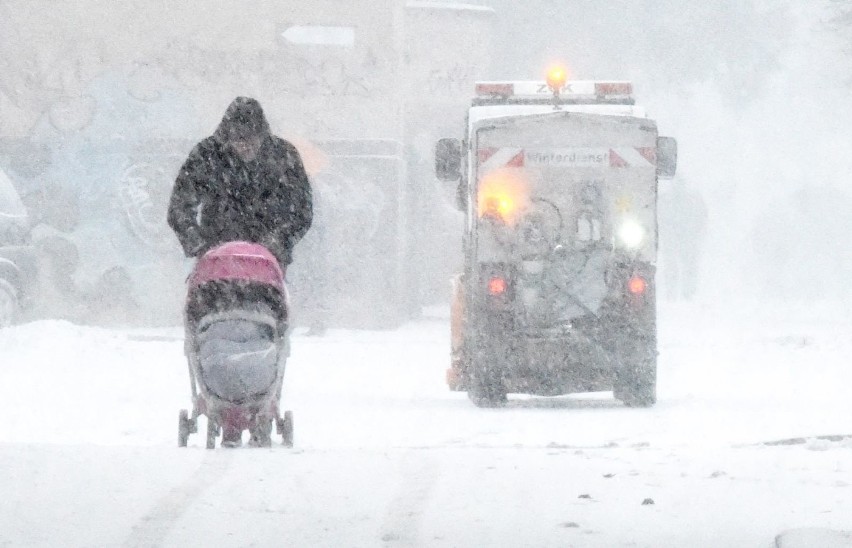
{"x": 261, "y": 433}
{"x": 184, "y": 427}
{"x": 285, "y": 428}
{"x": 212, "y": 433}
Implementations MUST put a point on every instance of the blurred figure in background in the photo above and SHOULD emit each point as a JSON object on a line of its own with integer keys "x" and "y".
{"x": 682, "y": 217}
{"x": 313, "y": 261}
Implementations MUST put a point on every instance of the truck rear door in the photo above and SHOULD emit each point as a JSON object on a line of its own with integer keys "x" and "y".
{"x": 595, "y": 173}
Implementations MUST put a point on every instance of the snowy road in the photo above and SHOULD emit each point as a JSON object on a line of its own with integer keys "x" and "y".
{"x": 386, "y": 456}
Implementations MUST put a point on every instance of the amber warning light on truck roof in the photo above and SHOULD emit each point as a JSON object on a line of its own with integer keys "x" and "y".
{"x": 556, "y": 78}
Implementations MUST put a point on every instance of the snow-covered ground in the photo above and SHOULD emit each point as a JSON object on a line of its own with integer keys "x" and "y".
{"x": 386, "y": 456}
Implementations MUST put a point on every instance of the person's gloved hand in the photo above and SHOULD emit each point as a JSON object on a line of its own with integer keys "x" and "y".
{"x": 270, "y": 242}
{"x": 193, "y": 243}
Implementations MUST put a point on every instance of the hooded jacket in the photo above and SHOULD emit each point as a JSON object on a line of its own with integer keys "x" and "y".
{"x": 218, "y": 197}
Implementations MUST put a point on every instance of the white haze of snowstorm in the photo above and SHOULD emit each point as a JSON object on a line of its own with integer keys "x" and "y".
{"x": 753, "y": 158}
{"x": 386, "y": 456}
{"x": 756, "y": 94}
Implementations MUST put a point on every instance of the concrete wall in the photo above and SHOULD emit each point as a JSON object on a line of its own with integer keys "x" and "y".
{"x": 210, "y": 51}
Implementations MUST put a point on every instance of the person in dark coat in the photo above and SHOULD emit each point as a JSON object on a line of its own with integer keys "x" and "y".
{"x": 242, "y": 183}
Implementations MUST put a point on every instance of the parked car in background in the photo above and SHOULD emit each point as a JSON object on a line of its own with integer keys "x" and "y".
{"x": 17, "y": 256}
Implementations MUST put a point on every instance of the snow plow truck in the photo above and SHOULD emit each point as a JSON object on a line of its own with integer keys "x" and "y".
{"x": 558, "y": 182}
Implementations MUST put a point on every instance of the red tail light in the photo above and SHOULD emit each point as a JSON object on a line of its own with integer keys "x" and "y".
{"x": 497, "y": 285}
{"x": 494, "y": 88}
{"x": 613, "y": 88}
{"x": 637, "y": 285}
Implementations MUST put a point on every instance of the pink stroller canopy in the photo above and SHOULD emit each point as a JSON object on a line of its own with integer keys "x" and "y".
{"x": 238, "y": 261}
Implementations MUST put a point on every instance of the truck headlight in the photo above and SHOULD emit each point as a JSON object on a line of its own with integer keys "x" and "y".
{"x": 631, "y": 234}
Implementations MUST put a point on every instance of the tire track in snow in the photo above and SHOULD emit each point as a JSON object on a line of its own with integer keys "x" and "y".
{"x": 401, "y": 526}
{"x": 154, "y": 526}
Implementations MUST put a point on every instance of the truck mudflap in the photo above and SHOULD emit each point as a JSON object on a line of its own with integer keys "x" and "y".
{"x": 456, "y": 376}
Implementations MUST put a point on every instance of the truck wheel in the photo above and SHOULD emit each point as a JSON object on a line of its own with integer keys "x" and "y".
{"x": 261, "y": 433}
{"x": 486, "y": 380}
{"x": 8, "y": 304}
{"x": 636, "y": 382}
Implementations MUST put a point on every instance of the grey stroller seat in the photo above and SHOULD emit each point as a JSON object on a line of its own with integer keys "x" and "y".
{"x": 238, "y": 355}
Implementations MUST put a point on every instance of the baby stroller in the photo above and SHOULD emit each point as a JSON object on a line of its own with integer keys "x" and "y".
{"x": 237, "y": 345}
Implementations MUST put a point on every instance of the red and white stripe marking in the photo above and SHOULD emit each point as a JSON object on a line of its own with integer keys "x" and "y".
{"x": 633, "y": 157}
{"x": 496, "y": 158}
